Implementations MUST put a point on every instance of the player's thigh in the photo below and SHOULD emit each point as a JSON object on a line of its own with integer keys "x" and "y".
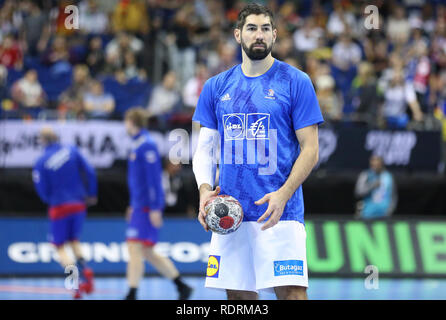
{"x": 291, "y": 293}
{"x": 59, "y": 231}
{"x": 76, "y": 224}
{"x": 140, "y": 228}
{"x": 230, "y": 262}
{"x": 135, "y": 249}
{"x": 280, "y": 255}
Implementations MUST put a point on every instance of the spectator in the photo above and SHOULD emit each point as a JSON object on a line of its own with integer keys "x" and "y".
{"x": 11, "y": 54}
{"x": 346, "y": 53}
{"x": 71, "y": 100}
{"x": 58, "y": 51}
{"x": 329, "y": 101}
{"x": 91, "y": 19}
{"x": 33, "y": 26}
{"x": 116, "y": 49}
{"x": 398, "y": 27}
{"x": 346, "y": 56}
{"x": 307, "y": 38}
{"x": 421, "y": 74}
{"x": 340, "y": 21}
{"x": 6, "y": 105}
{"x": 364, "y": 95}
{"x": 10, "y": 22}
{"x": 130, "y": 68}
{"x": 284, "y": 49}
{"x": 226, "y": 57}
{"x": 98, "y": 104}
{"x": 376, "y": 190}
{"x": 397, "y": 96}
{"x": 129, "y": 16}
{"x": 193, "y": 87}
{"x": 180, "y": 44}
{"x": 179, "y": 189}
{"x": 28, "y": 94}
{"x": 164, "y": 97}
{"x": 95, "y": 56}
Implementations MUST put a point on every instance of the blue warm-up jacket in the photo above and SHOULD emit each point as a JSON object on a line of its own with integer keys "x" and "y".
{"x": 144, "y": 174}
{"x": 62, "y": 176}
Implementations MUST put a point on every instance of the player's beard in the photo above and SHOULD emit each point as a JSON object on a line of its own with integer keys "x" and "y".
{"x": 257, "y": 53}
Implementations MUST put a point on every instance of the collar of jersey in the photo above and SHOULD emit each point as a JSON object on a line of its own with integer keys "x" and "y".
{"x": 269, "y": 71}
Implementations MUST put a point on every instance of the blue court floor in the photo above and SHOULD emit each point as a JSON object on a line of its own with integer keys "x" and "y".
{"x": 159, "y": 288}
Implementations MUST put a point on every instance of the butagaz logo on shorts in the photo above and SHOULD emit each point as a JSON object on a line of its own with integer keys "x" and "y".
{"x": 288, "y": 267}
{"x": 252, "y": 126}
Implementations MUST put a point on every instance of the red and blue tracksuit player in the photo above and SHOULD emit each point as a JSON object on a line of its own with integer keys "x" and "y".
{"x": 144, "y": 214}
{"x": 66, "y": 182}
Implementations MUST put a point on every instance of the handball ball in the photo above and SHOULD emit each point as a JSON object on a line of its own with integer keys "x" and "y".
{"x": 224, "y": 214}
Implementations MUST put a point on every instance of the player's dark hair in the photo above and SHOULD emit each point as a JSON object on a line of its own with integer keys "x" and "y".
{"x": 256, "y": 9}
{"x": 137, "y": 116}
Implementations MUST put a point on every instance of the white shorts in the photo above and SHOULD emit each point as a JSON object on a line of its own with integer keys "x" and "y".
{"x": 251, "y": 259}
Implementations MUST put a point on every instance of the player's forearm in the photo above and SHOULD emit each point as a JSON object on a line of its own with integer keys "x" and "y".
{"x": 302, "y": 167}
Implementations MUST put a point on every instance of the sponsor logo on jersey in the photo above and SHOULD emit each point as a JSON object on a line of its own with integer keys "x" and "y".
{"x": 234, "y": 126}
{"x": 257, "y": 126}
{"x": 288, "y": 267}
{"x": 213, "y": 266}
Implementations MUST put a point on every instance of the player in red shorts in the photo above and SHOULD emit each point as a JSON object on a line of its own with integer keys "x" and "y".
{"x": 58, "y": 178}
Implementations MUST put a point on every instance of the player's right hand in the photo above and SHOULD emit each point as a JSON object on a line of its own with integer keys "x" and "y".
{"x": 205, "y": 195}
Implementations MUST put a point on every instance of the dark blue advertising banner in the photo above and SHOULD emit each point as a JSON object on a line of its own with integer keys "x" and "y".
{"x": 336, "y": 247}
{"x": 24, "y": 248}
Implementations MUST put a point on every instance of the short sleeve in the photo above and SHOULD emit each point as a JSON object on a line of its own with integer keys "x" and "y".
{"x": 205, "y": 111}
{"x": 305, "y": 110}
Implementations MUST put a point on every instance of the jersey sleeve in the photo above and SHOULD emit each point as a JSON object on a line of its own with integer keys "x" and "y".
{"x": 41, "y": 182}
{"x": 305, "y": 110}
{"x": 153, "y": 170}
{"x": 205, "y": 111}
{"x": 89, "y": 172}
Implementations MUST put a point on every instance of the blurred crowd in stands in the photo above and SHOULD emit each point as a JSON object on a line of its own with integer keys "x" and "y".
{"x": 158, "y": 53}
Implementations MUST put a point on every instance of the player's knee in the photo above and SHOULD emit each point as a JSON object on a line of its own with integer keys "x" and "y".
{"x": 291, "y": 293}
{"x": 241, "y": 295}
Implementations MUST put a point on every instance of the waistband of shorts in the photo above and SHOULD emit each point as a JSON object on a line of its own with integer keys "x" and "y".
{"x": 142, "y": 209}
{"x": 66, "y": 209}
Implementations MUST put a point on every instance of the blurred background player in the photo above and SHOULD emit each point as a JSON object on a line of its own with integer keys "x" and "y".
{"x": 58, "y": 178}
{"x": 144, "y": 214}
{"x": 376, "y": 189}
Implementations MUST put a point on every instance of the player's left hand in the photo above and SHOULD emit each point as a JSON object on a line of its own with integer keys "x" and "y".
{"x": 91, "y": 201}
{"x": 156, "y": 218}
{"x": 276, "y": 203}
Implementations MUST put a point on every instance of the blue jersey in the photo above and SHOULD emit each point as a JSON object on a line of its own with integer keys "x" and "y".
{"x": 62, "y": 175}
{"x": 257, "y": 118}
{"x": 144, "y": 174}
